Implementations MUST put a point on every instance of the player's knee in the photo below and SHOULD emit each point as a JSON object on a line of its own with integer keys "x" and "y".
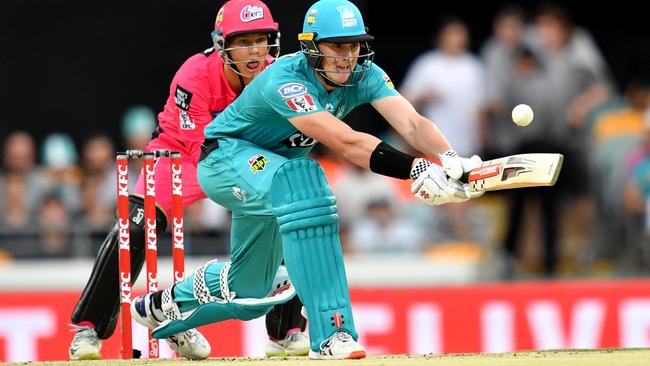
{"x": 301, "y": 197}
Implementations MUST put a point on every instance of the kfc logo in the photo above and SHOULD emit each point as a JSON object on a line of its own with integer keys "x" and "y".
{"x": 302, "y": 104}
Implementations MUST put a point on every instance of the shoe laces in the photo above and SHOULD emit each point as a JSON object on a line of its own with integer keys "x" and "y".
{"x": 339, "y": 336}
{"x": 190, "y": 336}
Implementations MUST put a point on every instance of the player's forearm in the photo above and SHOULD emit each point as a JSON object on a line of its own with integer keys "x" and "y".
{"x": 427, "y": 138}
{"x": 357, "y": 147}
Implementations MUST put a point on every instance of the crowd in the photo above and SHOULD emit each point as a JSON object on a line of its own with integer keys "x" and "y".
{"x": 61, "y": 203}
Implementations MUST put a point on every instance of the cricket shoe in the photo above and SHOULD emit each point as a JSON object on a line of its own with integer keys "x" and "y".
{"x": 85, "y": 344}
{"x": 294, "y": 344}
{"x": 189, "y": 344}
{"x": 340, "y": 346}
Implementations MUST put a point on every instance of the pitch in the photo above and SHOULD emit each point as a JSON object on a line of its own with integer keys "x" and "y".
{"x": 619, "y": 357}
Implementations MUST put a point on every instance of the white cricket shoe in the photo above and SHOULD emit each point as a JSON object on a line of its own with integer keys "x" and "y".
{"x": 294, "y": 344}
{"x": 190, "y": 344}
{"x": 340, "y": 346}
{"x": 85, "y": 344}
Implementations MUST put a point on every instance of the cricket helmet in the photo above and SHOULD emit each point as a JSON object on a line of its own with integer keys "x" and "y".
{"x": 335, "y": 21}
{"x": 238, "y": 17}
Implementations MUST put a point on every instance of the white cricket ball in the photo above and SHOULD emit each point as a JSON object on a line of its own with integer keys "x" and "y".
{"x": 522, "y": 115}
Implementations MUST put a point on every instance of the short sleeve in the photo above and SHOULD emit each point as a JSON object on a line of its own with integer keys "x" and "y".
{"x": 376, "y": 85}
{"x": 292, "y": 98}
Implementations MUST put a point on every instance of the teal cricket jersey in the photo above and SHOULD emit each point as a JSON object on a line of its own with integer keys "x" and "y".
{"x": 290, "y": 88}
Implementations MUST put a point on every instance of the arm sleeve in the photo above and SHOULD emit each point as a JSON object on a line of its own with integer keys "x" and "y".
{"x": 376, "y": 85}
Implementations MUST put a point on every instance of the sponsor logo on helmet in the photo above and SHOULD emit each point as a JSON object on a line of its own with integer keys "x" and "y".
{"x": 289, "y": 90}
{"x": 219, "y": 17}
{"x": 250, "y": 13}
{"x": 301, "y": 104}
{"x": 258, "y": 163}
{"x": 347, "y": 16}
{"x": 311, "y": 18}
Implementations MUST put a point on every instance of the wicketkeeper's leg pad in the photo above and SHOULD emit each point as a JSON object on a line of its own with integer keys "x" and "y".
{"x": 306, "y": 212}
{"x": 100, "y": 302}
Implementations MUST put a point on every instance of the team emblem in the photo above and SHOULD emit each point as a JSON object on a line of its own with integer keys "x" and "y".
{"x": 302, "y": 104}
{"x": 389, "y": 83}
{"x": 347, "y": 16}
{"x": 250, "y": 13}
{"x": 311, "y": 18}
{"x": 258, "y": 163}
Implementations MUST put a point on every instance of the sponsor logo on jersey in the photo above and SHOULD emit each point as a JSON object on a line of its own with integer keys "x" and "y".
{"x": 250, "y": 13}
{"x": 182, "y": 98}
{"x": 298, "y": 139}
{"x": 185, "y": 121}
{"x": 301, "y": 104}
{"x": 257, "y": 163}
{"x": 289, "y": 90}
{"x": 239, "y": 193}
{"x": 388, "y": 82}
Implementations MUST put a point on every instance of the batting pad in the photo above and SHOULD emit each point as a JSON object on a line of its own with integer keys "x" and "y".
{"x": 218, "y": 310}
{"x": 309, "y": 225}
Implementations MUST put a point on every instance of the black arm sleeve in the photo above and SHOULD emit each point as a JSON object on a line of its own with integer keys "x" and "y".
{"x": 386, "y": 160}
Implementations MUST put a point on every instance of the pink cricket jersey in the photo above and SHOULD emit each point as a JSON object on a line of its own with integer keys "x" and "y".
{"x": 197, "y": 94}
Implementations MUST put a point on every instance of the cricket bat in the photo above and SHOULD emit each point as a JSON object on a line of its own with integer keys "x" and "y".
{"x": 515, "y": 171}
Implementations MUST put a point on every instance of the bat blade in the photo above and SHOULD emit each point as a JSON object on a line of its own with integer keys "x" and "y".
{"x": 516, "y": 171}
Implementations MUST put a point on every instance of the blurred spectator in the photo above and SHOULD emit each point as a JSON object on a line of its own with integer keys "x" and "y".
{"x": 138, "y": 125}
{"x": 619, "y": 158}
{"x": 575, "y": 68}
{"x": 19, "y": 156}
{"x": 54, "y": 226}
{"x": 60, "y": 170}
{"x": 569, "y": 77}
{"x": 502, "y": 54}
{"x": 16, "y": 212}
{"x": 356, "y": 188}
{"x": 21, "y": 183}
{"x": 447, "y": 86}
{"x": 381, "y": 229}
{"x": 527, "y": 83}
{"x": 98, "y": 188}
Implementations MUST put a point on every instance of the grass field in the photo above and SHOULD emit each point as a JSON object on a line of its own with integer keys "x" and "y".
{"x": 614, "y": 357}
